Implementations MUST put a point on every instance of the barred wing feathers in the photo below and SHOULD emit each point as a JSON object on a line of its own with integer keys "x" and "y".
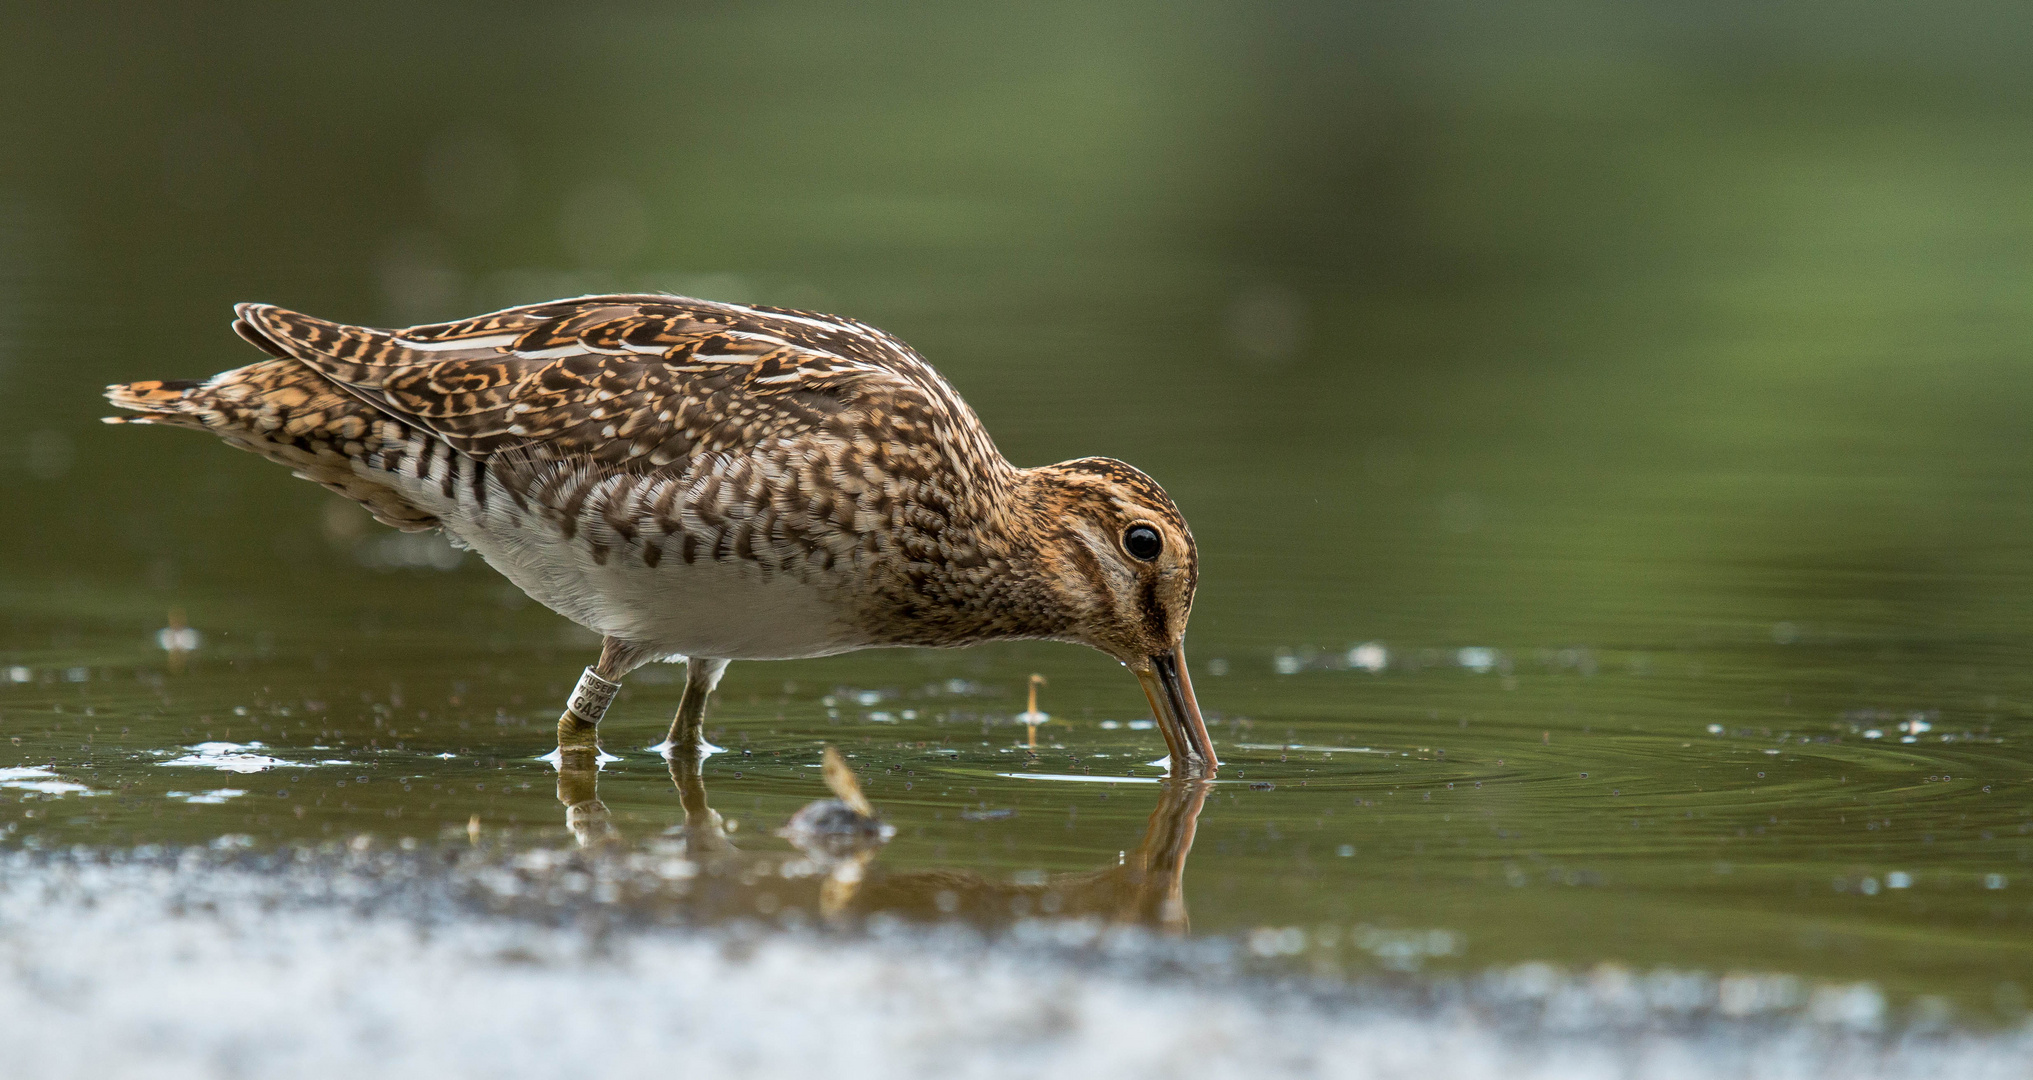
{"x": 637, "y": 382}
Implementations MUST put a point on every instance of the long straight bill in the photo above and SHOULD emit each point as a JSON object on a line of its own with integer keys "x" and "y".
{"x": 1170, "y": 691}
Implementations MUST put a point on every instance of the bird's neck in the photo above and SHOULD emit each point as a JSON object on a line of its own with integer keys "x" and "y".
{"x": 1002, "y": 582}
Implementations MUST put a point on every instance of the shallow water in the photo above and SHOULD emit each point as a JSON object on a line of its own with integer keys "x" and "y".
{"x": 1607, "y": 456}
{"x": 1498, "y": 832}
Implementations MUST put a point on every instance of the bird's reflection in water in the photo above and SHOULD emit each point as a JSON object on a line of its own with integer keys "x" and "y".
{"x": 832, "y": 867}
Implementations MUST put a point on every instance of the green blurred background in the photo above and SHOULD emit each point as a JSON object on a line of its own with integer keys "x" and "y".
{"x": 1559, "y": 321}
{"x": 1675, "y": 352}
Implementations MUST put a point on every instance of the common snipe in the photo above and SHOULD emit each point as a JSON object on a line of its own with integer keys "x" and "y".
{"x": 717, "y": 482}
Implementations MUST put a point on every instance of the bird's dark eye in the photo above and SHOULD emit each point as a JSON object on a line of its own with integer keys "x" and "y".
{"x": 1142, "y": 542}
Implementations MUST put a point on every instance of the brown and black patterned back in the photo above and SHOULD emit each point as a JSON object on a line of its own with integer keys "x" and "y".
{"x": 642, "y": 382}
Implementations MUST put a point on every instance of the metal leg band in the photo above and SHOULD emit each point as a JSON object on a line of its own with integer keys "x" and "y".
{"x": 590, "y": 699}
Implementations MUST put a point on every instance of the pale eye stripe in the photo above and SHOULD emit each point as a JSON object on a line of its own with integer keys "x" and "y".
{"x": 491, "y": 341}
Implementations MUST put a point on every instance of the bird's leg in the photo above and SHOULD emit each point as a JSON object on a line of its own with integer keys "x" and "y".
{"x": 579, "y": 725}
{"x": 579, "y": 739}
{"x": 705, "y": 832}
{"x": 685, "y": 751}
{"x": 579, "y": 789}
{"x": 688, "y": 727}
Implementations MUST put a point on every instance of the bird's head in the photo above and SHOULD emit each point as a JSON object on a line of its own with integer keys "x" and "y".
{"x": 1118, "y": 555}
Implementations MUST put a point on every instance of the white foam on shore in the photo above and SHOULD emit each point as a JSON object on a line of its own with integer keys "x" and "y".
{"x": 209, "y": 972}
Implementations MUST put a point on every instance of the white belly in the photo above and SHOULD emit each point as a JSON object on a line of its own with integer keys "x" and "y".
{"x": 731, "y": 609}
{"x": 724, "y": 610}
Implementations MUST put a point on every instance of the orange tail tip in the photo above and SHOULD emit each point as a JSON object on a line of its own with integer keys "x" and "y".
{"x": 148, "y": 396}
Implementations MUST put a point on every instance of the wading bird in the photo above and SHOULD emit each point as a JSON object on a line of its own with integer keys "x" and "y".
{"x": 714, "y": 481}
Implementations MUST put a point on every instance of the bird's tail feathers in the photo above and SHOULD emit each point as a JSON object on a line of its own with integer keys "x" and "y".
{"x": 160, "y": 401}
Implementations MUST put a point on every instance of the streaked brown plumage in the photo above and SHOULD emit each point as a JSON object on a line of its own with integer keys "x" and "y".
{"x": 714, "y": 480}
